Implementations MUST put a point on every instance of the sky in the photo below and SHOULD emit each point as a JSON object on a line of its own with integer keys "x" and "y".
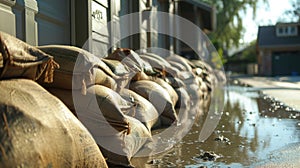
{"x": 266, "y": 15}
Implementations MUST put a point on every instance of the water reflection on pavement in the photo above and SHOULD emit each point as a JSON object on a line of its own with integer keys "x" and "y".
{"x": 252, "y": 128}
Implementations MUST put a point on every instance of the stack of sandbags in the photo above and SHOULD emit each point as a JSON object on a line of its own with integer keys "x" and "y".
{"x": 81, "y": 83}
{"x": 38, "y": 130}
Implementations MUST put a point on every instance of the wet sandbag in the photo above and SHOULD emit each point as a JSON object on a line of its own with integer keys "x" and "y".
{"x": 118, "y": 149}
{"x": 144, "y": 111}
{"x": 38, "y": 130}
{"x": 102, "y": 110}
{"x": 68, "y": 57}
{"x": 20, "y": 60}
{"x": 159, "y": 97}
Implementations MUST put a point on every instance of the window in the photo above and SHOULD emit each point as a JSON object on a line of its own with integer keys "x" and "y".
{"x": 291, "y": 30}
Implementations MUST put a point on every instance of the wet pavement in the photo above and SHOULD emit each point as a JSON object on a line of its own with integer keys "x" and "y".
{"x": 254, "y": 131}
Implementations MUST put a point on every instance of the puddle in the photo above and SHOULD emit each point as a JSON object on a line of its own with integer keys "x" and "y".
{"x": 251, "y": 128}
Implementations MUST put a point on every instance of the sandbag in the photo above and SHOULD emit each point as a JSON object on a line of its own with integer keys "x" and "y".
{"x": 69, "y": 57}
{"x": 131, "y": 59}
{"x": 144, "y": 111}
{"x": 121, "y": 69}
{"x": 38, "y": 130}
{"x": 168, "y": 88}
{"x": 102, "y": 110}
{"x": 20, "y": 60}
{"x": 159, "y": 97}
{"x": 119, "y": 148}
{"x": 177, "y": 65}
{"x": 184, "y": 99}
{"x": 163, "y": 66}
{"x": 181, "y": 60}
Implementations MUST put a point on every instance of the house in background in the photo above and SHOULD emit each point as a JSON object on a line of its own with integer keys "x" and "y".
{"x": 70, "y": 22}
{"x": 278, "y": 49}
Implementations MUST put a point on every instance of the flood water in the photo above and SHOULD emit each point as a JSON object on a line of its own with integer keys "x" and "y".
{"x": 252, "y": 128}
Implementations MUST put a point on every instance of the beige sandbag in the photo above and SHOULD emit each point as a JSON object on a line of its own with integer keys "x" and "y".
{"x": 181, "y": 60}
{"x": 70, "y": 57}
{"x": 164, "y": 66}
{"x": 20, "y": 60}
{"x": 159, "y": 97}
{"x": 119, "y": 148}
{"x": 174, "y": 82}
{"x": 103, "y": 110}
{"x": 168, "y": 88}
{"x": 177, "y": 65}
{"x": 144, "y": 111}
{"x": 38, "y": 130}
{"x": 116, "y": 66}
{"x": 184, "y": 99}
{"x": 131, "y": 59}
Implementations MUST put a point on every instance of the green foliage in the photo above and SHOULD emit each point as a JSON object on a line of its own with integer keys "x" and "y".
{"x": 230, "y": 25}
{"x": 246, "y": 55}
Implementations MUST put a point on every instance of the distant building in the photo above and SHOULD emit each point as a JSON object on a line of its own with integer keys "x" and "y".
{"x": 70, "y": 22}
{"x": 278, "y": 49}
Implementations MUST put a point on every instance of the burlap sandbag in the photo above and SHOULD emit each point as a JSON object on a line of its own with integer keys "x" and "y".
{"x": 168, "y": 88}
{"x": 118, "y": 149}
{"x": 20, "y": 60}
{"x": 181, "y": 60}
{"x": 38, "y": 130}
{"x": 117, "y": 67}
{"x": 69, "y": 57}
{"x": 144, "y": 111}
{"x": 159, "y": 97}
{"x": 103, "y": 110}
{"x": 132, "y": 60}
{"x": 163, "y": 66}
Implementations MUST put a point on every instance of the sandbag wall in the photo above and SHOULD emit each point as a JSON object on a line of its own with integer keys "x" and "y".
{"x": 36, "y": 128}
{"x": 120, "y": 98}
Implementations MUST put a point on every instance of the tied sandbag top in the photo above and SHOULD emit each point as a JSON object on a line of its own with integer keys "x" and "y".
{"x": 18, "y": 59}
{"x": 131, "y": 59}
{"x": 77, "y": 62}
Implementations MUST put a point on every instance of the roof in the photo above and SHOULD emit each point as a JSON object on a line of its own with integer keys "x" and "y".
{"x": 267, "y": 38}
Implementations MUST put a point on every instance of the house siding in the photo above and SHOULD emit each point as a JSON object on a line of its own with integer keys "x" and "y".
{"x": 82, "y": 23}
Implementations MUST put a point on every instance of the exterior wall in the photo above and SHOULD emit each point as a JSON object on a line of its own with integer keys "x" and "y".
{"x": 265, "y": 63}
{"x": 40, "y": 22}
{"x": 6, "y": 15}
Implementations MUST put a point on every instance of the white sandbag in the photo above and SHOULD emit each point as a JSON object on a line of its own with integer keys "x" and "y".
{"x": 38, "y": 130}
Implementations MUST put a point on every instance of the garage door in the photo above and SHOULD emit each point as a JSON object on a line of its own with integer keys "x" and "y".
{"x": 285, "y": 63}
{"x": 53, "y": 21}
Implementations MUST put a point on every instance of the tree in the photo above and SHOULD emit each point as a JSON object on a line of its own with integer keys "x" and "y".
{"x": 230, "y": 25}
{"x": 292, "y": 15}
